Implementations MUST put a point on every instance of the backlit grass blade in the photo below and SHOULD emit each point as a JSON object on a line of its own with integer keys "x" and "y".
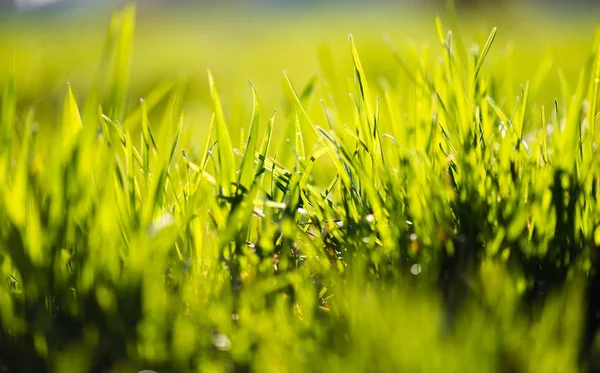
{"x": 316, "y": 154}
{"x": 246, "y": 177}
{"x": 363, "y": 85}
{"x": 154, "y": 200}
{"x": 484, "y": 52}
{"x": 520, "y": 114}
{"x": 302, "y": 109}
{"x": 264, "y": 149}
{"x": 175, "y": 142}
{"x": 544, "y": 135}
{"x": 145, "y": 139}
{"x": 130, "y": 189}
{"x": 196, "y": 168}
{"x": 225, "y": 148}
{"x": 298, "y": 101}
{"x": 343, "y": 151}
{"x": 498, "y": 111}
{"x": 300, "y": 153}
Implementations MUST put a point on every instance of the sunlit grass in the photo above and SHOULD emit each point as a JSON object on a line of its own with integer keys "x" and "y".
{"x": 426, "y": 211}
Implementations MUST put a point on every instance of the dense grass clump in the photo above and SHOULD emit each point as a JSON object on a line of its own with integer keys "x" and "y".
{"x": 438, "y": 224}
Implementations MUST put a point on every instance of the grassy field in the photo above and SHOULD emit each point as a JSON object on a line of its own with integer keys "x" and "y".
{"x": 422, "y": 201}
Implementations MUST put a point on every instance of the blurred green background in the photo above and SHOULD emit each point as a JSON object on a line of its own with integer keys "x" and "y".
{"x": 48, "y": 47}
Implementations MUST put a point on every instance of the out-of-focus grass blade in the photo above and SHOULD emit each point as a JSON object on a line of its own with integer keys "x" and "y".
{"x": 358, "y": 140}
{"x": 541, "y": 73}
{"x": 454, "y": 25}
{"x": 382, "y": 222}
{"x": 155, "y": 198}
{"x": 15, "y": 197}
{"x": 498, "y": 111}
{"x": 593, "y": 92}
{"x": 8, "y": 114}
{"x": 399, "y": 60}
{"x": 194, "y": 167}
{"x": 104, "y": 69}
{"x": 565, "y": 88}
{"x": 151, "y": 101}
{"x": 122, "y": 66}
{"x": 225, "y": 148}
{"x": 440, "y": 31}
{"x": 308, "y": 90}
{"x": 71, "y": 122}
{"x": 570, "y": 140}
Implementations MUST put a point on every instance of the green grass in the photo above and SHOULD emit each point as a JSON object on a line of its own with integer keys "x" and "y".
{"x": 425, "y": 214}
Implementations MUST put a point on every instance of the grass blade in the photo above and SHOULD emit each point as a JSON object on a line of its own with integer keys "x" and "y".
{"x": 484, "y": 52}
{"x": 225, "y": 148}
{"x": 246, "y": 177}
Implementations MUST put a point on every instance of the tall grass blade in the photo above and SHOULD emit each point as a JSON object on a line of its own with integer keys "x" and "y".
{"x": 225, "y": 148}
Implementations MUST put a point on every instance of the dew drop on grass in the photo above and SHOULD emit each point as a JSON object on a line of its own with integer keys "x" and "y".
{"x": 221, "y": 342}
{"x": 415, "y": 269}
{"x": 235, "y": 316}
{"x": 161, "y": 223}
{"x": 370, "y": 218}
{"x": 502, "y": 128}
